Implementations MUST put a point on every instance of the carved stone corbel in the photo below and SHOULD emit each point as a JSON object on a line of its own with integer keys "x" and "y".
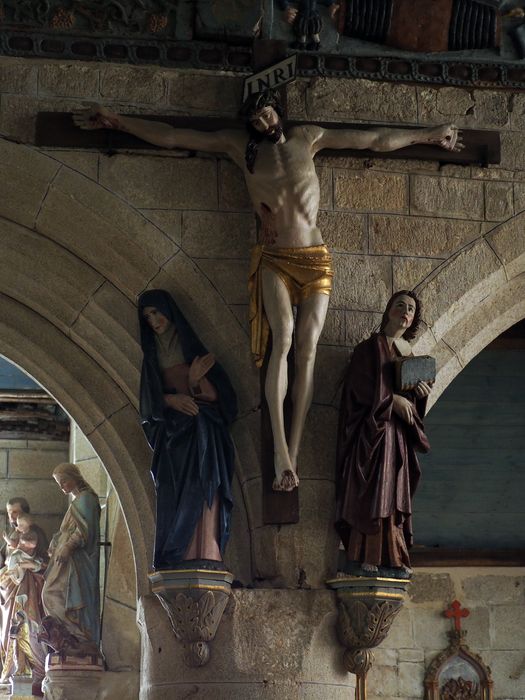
{"x": 194, "y": 600}
{"x": 367, "y": 608}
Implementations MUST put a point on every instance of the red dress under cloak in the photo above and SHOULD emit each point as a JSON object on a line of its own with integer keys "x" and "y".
{"x": 378, "y": 470}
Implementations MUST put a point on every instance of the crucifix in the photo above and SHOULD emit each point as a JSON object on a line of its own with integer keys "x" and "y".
{"x": 291, "y": 266}
{"x": 457, "y": 612}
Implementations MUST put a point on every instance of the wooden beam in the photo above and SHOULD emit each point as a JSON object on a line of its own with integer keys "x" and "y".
{"x": 57, "y": 130}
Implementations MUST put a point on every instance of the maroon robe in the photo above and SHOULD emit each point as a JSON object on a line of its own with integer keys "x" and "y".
{"x": 378, "y": 470}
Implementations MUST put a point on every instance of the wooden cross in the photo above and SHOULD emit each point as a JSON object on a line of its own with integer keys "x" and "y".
{"x": 57, "y": 129}
{"x": 455, "y": 611}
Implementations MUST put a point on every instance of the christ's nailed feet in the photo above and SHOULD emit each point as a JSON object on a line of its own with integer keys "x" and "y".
{"x": 287, "y": 481}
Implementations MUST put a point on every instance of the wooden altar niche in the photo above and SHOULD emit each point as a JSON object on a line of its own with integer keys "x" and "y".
{"x": 457, "y": 673}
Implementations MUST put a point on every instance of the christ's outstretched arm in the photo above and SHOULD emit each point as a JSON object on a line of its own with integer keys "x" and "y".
{"x": 384, "y": 139}
{"x": 228, "y": 141}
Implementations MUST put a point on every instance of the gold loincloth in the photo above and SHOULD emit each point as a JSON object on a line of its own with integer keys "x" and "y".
{"x": 304, "y": 271}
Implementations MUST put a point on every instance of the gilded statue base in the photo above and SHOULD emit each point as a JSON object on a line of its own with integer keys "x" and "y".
{"x": 367, "y": 607}
{"x": 194, "y": 600}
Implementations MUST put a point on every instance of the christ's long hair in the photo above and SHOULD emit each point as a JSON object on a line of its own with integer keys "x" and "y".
{"x": 253, "y": 104}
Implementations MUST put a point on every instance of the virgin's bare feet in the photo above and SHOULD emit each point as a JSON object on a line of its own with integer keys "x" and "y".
{"x": 449, "y": 137}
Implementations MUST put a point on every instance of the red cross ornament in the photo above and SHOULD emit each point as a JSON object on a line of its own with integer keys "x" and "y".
{"x": 457, "y": 613}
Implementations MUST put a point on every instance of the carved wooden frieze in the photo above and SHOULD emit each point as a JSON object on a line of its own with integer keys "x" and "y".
{"x": 122, "y": 18}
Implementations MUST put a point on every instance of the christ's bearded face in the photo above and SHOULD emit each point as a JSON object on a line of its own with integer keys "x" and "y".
{"x": 267, "y": 122}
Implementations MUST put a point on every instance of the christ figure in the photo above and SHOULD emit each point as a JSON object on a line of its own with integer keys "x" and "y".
{"x": 291, "y": 266}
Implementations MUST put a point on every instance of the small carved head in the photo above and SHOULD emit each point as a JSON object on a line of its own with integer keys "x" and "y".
{"x": 407, "y": 306}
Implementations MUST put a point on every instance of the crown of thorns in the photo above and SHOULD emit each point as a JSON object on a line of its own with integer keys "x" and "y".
{"x": 259, "y": 100}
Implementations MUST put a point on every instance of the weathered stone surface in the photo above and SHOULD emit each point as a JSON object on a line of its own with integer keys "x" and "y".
{"x": 492, "y": 315}
{"x": 81, "y": 448}
{"x": 466, "y": 108}
{"x": 25, "y": 175}
{"x": 246, "y": 434}
{"x": 84, "y": 163}
{"x": 343, "y": 232}
{"x": 46, "y": 444}
{"x": 361, "y": 99}
{"x": 507, "y": 669}
{"x": 411, "y": 679}
{"x": 411, "y": 272}
{"x": 508, "y": 622}
{"x": 168, "y": 221}
{"x": 317, "y": 454}
{"x": 104, "y": 231}
{"x": 233, "y": 194}
{"x": 419, "y": 236}
{"x": 121, "y": 444}
{"x": 68, "y": 80}
{"x": 43, "y": 275}
{"x": 430, "y": 628}
{"x": 494, "y": 590}
{"x": 519, "y": 197}
{"x": 334, "y": 332}
{"x": 512, "y": 151}
{"x": 282, "y": 639}
{"x": 96, "y": 476}
{"x": 383, "y": 681}
{"x": 17, "y": 76}
{"x": 18, "y": 114}
{"x": 206, "y": 93}
{"x": 411, "y": 655}
{"x": 401, "y": 633}
{"x": 120, "y": 581}
{"x": 12, "y": 444}
{"x": 518, "y": 112}
{"x": 508, "y": 241}
{"x": 435, "y": 106}
{"x": 431, "y": 588}
{"x": 217, "y": 234}
{"x": 446, "y": 196}
{"x": 107, "y": 328}
{"x": 162, "y": 182}
{"x": 359, "y": 325}
{"x": 296, "y": 99}
{"x": 120, "y": 637}
{"x": 3, "y": 463}
{"x": 499, "y": 204}
{"x": 370, "y": 191}
{"x": 238, "y": 553}
{"x": 33, "y": 464}
{"x": 385, "y": 657}
{"x": 329, "y": 367}
{"x": 43, "y": 494}
{"x": 326, "y": 195}
{"x": 467, "y": 278}
{"x": 133, "y": 84}
{"x": 230, "y": 277}
{"x": 361, "y": 282}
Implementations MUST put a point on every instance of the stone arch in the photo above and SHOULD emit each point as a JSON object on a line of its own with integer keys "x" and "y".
{"x": 75, "y": 256}
{"x": 473, "y": 297}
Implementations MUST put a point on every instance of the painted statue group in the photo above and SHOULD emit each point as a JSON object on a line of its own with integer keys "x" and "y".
{"x": 187, "y": 401}
{"x": 49, "y": 592}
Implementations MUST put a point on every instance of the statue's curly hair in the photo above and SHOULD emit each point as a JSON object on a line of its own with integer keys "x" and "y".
{"x": 253, "y": 104}
{"x": 411, "y": 332}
